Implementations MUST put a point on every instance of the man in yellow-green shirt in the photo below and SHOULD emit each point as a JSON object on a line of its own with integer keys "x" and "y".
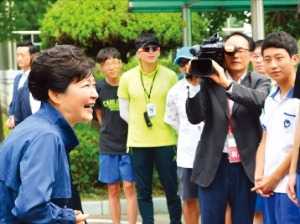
{"x": 142, "y": 98}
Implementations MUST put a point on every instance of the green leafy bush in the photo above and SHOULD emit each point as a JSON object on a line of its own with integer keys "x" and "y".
{"x": 84, "y": 159}
{"x": 94, "y": 24}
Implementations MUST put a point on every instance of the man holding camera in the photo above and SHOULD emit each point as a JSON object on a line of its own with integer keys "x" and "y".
{"x": 230, "y": 103}
{"x": 142, "y": 99}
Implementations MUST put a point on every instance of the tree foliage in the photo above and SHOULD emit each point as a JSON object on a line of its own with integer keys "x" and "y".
{"x": 21, "y": 15}
{"x": 94, "y": 24}
{"x": 218, "y": 18}
{"x": 283, "y": 21}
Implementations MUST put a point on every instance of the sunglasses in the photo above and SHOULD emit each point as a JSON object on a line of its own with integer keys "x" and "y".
{"x": 150, "y": 48}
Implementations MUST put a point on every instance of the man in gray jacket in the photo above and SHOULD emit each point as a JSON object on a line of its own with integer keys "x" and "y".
{"x": 230, "y": 103}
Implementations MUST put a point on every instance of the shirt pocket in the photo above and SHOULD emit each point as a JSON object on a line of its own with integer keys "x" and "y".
{"x": 288, "y": 122}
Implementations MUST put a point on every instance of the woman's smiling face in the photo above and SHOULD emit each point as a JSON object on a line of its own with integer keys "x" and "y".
{"x": 77, "y": 102}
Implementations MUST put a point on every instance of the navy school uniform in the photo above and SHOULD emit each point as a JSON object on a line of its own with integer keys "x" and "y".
{"x": 35, "y": 183}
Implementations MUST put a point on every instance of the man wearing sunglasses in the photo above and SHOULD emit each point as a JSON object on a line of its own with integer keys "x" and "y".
{"x": 230, "y": 103}
{"x": 142, "y": 99}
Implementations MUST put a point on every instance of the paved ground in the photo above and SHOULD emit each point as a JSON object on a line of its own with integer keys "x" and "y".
{"x": 99, "y": 211}
{"x": 159, "y": 219}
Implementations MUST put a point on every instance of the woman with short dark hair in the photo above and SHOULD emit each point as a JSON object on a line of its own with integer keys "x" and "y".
{"x": 35, "y": 183}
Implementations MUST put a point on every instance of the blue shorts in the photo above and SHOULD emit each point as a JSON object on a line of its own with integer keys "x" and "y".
{"x": 259, "y": 204}
{"x": 280, "y": 209}
{"x": 115, "y": 168}
{"x": 187, "y": 189}
{"x": 298, "y": 186}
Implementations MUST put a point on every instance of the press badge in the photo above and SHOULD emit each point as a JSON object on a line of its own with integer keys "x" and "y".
{"x": 233, "y": 153}
{"x": 151, "y": 109}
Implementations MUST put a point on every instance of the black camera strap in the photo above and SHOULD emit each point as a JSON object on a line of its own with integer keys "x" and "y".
{"x": 148, "y": 94}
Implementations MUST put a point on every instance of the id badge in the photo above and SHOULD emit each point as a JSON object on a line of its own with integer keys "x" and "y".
{"x": 233, "y": 153}
{"x": 151, "y": 109}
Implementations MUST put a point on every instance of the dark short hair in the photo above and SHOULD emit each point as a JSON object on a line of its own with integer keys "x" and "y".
{"x": 281, "y": 40}
{"x": 55, "y": 68}
{"x": 107, "y": 53}
{"x": 246, "y": 37}
{"x": 146, "y": 39}
{"x": 32, "y": 48}
{"x": 258, "y": 43}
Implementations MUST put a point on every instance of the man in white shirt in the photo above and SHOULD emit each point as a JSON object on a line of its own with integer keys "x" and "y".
{"x": 188, "y": 137}
{"x": 279, "y": 120}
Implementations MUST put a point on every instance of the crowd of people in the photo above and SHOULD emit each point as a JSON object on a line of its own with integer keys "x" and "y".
{"x": 225, "y": 145}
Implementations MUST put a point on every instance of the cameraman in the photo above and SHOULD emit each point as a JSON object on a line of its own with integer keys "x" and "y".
{"x": 230, "y": 103}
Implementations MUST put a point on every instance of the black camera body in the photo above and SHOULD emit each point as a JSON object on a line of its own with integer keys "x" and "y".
{"x": 211, "y": 49}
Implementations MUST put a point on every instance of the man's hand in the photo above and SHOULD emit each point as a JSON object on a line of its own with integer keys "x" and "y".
{"x": 80, "y": 218}
{"x": 258, "y": 182}
{"x": 291, "y": 189}
{"x": 10, "y": 123}
{"x": 265, "y": 186}
{"x": 219, "y": 76}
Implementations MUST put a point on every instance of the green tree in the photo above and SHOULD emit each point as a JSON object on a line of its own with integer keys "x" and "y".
{"x": 283, "y": 21}
{"x": 21, "y": 15}
{"x": 218, "y": 19}
{"x": 94, "y": 24}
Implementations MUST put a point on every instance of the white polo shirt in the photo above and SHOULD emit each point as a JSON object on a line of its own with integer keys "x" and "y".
{"x": 175, "y": 115}
{"x": 34, "y": 104}
{"x": 279, "y": 121}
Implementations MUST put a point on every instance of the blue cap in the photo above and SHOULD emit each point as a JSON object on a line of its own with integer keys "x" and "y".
{"x": 183, "y": 52}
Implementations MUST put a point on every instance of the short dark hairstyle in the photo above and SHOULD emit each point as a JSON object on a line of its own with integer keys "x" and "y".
{"x": 281, "y": 40}
{"x": 146, "y": 39}
{"x": 249, "y": 39}
{"x": 258, "y": 43}
{"x": 55, "y": 68}
{"x": 107, "y": 53}
{"x": 32, "y": 48}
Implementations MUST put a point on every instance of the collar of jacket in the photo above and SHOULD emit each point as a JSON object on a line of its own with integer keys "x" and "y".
{"x": 54, "y": 116}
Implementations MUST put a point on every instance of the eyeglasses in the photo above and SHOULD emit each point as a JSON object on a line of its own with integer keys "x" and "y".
{"x": 231, "y": 50}
{"x": 150, "y": 48}
{"x": 236, "y": 50}
{"x": 182, "y": 62}
{"x": 257, "y": 57}
{"x": 111, "y": 62}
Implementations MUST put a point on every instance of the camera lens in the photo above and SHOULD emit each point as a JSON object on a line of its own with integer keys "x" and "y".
{"x": 201, "y": 67}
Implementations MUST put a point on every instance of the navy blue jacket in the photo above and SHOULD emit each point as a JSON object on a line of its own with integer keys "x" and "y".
{"x": 35, "y": 181}
{"x": 20, "y": 105}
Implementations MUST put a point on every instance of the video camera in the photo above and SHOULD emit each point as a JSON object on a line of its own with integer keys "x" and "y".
{"x": 211, "y": 49}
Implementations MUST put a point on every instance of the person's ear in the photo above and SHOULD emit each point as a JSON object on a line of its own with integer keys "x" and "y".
{"x": 138, "y": 54}
{"x": 100, "y": 67}
{"x": 55, "y": 97}
{"x": 296, "y": 59}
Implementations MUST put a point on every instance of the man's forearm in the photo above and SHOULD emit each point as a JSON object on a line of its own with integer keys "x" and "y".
{"x": 296, "y": 146}
{"x": 260, "y": 159}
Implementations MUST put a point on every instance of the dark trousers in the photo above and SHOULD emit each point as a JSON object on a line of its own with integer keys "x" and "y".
{"x": 163, "y": 158}
{"x": 231, "y": 185}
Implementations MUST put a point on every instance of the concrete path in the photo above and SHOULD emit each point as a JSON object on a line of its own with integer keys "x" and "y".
{"x": 99, "y": 211}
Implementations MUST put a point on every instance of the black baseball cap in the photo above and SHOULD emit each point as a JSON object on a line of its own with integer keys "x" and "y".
{"x": 146, "y": 39}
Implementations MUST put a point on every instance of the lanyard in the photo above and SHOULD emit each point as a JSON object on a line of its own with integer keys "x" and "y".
{"x": 143, "y": 85}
